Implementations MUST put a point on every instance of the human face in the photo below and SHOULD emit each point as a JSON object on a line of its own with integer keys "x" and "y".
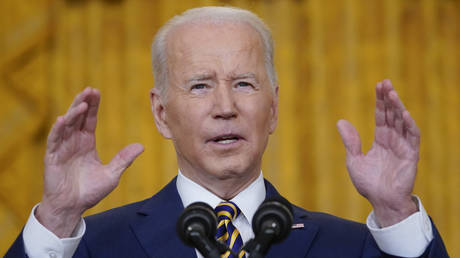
{"x": 219, "y": 108}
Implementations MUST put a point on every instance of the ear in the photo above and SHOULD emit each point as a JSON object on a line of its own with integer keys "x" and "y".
{"x": 274, "y": 111}
{"x": 159, "y": 113}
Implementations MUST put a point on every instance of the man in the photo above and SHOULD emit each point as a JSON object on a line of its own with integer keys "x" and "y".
{"x": 216, "y": 98}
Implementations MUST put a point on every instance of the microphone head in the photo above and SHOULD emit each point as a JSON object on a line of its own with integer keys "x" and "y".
{"x": 276, "y": 213}
{"x": 198, "y": 217}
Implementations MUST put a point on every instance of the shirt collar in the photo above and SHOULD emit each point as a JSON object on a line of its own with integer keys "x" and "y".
{"x": 247, "y": 200}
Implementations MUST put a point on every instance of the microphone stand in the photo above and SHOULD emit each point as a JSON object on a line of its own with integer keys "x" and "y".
{"x": 208, "y": 248}
{"x": 259, "y": 246}
{"x": 203, "y": 244}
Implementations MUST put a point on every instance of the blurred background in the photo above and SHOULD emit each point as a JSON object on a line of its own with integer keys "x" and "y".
{"x": 329, "y": 56}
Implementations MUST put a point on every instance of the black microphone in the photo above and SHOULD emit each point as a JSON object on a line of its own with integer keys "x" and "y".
{"x": 271, "y": 224}
{"x": 196, "y": 227}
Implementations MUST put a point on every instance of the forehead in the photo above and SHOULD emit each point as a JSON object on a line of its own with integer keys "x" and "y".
{"x": 220, "y": 45}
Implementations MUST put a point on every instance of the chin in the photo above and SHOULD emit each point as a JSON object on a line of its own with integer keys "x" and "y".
{"x": 233, "y": 169}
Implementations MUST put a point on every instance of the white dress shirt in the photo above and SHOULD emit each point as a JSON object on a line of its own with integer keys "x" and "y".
{"x": 408, "y": 238}
{"x": 247, "y": 200}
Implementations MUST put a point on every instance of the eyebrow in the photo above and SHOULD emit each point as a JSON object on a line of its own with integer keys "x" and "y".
{"x": 209, "y": 76}
{"x": 245, "y": 76}
{"x": 201, "y": 77}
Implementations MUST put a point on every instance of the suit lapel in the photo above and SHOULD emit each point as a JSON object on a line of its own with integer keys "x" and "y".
{"x": 155, "y": 227}
{"x": 300, "y": 239}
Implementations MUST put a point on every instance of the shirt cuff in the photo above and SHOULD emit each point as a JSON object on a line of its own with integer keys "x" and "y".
{"x": 40, "y": 242}
{"x": 408, "y": 238}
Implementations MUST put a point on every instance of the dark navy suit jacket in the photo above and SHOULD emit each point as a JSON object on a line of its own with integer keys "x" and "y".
{"x": 148, "y": 229}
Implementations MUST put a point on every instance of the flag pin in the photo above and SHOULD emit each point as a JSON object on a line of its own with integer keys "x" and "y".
{"x": 298, "y": 225}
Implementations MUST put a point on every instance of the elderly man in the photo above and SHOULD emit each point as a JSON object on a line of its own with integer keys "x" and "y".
{"x": 216, "y": 98}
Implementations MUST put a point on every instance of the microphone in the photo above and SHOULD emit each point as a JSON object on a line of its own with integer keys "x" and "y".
{"x": 196, "y": 227}
{"x": 271, "y": 224}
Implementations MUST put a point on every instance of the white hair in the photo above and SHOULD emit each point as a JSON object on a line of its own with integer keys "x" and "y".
{"x": 209, "y": 14}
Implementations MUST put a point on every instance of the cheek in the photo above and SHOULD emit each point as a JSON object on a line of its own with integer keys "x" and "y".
{"x": 262, "y": 115}
{"x": 259, "y": 121}
{"x": 185, "y": 119}
{"x": 175, "y": 120}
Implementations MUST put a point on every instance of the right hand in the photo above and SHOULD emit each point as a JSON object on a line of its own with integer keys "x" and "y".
{"x": 75, "y": 179}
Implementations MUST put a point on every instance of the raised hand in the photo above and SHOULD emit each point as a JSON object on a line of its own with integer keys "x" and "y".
{"x": 75, "y": 179}
{"x": 386, "y": 174}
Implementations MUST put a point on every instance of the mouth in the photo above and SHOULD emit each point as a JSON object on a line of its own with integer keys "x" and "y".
{"x": 226, "y": 139}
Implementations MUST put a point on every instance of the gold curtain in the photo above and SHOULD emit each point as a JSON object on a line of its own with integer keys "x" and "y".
{"x": 329, "y": 55}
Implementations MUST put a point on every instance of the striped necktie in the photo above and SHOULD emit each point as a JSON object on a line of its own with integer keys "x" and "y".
{"x": 226, "y": 212}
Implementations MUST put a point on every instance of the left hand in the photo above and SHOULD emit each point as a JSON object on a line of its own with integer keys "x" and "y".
{"x": 386, "y": 174}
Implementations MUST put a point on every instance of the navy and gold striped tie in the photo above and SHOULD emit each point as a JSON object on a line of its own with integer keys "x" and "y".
{"x": 226, "y": 212}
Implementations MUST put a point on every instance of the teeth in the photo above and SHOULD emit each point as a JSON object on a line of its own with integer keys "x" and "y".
{"x": 227, "y": 141}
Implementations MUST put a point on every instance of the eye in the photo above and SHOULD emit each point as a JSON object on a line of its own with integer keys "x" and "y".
{"x": 199, "y": 86}
{"x": 243, "y": 84}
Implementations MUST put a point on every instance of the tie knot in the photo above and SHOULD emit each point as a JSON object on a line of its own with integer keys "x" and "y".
{"x": 227, "y": 210}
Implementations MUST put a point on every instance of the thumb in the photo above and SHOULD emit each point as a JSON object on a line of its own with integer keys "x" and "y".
{"x": 124, "y": 158}
{"x": 350, "y": 137}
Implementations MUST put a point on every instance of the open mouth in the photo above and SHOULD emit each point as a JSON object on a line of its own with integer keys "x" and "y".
{"x": 226, "y": 139}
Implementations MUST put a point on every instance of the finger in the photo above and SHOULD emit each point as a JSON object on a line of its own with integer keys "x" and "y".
{"x": 55, "y": 135}
{"x": 379, "y": 106}
{"x": 387, "y": 87}
{"x": 399, "y": 127}
{"x": 90, "y": 121}
{"x": 394, "y": 107}
{"x": 124, "y": 158}
{"x": 350, "y": 137}
{"x": 73, "y": 119}
{"x": 395, "y": 101}
{"x": 64, "y": 126}
{"x": 413, "y": 132}
{"x": 389, "y": 116}
{"x": 397, "y": 108}
{"x": 379, "y": 91}
{"x": 73, "y": 115}
{"x": 80, "y": 97}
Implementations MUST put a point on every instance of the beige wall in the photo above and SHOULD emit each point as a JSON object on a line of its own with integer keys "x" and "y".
{"x": 329, "y": 55}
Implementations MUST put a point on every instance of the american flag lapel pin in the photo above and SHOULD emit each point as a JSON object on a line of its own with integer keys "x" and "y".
{"x": 297, "y": 225}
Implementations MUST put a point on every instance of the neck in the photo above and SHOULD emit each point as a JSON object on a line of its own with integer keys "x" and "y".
{"x": 226, "y": 186}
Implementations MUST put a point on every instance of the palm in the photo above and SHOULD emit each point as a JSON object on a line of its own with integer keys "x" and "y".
{"x": 85, "y": 180}
{"x": 386, "y": 174}
{"x": 382, "y": 170}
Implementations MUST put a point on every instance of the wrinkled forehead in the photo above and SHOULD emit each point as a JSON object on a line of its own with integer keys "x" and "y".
{"x": 196, "y": 36}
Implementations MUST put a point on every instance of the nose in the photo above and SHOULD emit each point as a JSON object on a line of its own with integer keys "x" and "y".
{"x": 224, "y": 103}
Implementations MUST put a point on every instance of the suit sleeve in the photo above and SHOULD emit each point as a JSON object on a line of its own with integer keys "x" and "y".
{"x": 436, "y": 249}
{"x": 17, "y": 249}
